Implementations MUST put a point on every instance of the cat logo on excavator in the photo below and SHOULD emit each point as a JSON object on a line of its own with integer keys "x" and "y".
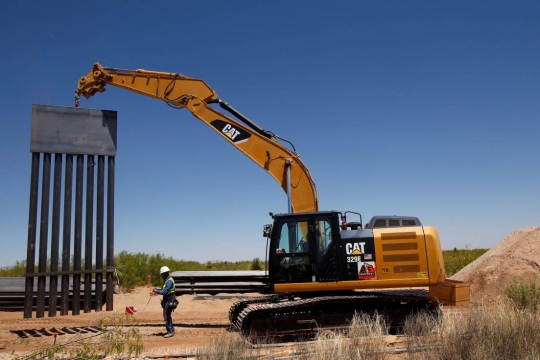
{"x": 355, "y": 248}
{"x": 234, "y": 134}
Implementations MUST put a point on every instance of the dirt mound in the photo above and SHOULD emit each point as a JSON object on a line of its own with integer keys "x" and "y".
{"x": 516, "y": 257}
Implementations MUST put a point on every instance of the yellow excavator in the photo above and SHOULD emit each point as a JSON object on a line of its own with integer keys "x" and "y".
{"x": 322, "y": 268}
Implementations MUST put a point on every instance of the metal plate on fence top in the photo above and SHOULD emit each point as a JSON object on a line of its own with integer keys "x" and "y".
{"x": 69, "y": 130}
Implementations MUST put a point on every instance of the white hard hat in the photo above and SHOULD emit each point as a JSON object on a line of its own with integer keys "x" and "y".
{"x": 164, "y": 269}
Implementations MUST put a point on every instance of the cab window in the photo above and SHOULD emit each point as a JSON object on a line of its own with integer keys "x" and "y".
{"x": 293, "y": 237}
{"x": 323, "y": 237}
{"x": 293, "y": 258}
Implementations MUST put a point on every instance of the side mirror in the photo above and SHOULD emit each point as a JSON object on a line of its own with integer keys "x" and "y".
{"x": 267, "y": 230}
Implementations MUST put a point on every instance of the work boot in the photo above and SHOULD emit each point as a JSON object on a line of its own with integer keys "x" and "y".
{"x": 168, "y": 335}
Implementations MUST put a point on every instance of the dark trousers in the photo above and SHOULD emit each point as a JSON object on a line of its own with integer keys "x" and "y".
{"x": 167, "y": 315}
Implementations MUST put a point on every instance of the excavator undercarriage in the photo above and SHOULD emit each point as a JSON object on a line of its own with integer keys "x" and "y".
{"x": 289, "y": 315}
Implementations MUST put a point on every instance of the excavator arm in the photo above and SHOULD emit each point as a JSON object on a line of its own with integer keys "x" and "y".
{"x": 180, "y": 91}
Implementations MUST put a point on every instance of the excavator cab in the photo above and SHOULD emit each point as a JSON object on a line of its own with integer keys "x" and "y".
{"x": 321, "y": 251}
{"x": 301, "y": 248}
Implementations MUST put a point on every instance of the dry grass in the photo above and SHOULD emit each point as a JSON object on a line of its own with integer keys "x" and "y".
{"x": 502, "y": 331}
{"x": 495, "y": 332}
{"x": 420, "y": 331}
{"x": 365, "y": 339}
{"x": 114, "y": 339}
{"x": 227, "y": 347}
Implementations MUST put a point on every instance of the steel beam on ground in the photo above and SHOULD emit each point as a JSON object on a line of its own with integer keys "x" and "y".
{"x": 219, "y": 282}
{"x": 12, "y": 295}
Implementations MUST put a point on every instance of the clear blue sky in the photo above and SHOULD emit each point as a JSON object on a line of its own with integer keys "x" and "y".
{"x": 422, "y": 108}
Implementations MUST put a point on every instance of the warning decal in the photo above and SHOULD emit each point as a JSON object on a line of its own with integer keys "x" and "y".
{"x": 367, "y": 270}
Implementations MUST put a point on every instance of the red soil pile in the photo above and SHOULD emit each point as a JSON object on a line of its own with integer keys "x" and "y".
{"x": 516, "y": 257}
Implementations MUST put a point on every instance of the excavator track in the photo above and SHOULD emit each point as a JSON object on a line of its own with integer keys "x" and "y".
{"x": 238, "y": 306}
{"x": 306, "y": 316}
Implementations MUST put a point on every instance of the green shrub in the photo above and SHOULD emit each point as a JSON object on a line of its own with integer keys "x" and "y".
{"x": 133, "y": 268}
{"x": 17, "y": 270}
{"x": 455, "y": 260}
{"x": 256, "y": 264}
{"x": 524, "y": 296}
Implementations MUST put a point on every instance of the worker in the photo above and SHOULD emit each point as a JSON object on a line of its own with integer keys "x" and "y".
{"x": 169, "y": 302}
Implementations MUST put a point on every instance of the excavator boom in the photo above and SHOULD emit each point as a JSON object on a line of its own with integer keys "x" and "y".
{"x": 180, "y": 91}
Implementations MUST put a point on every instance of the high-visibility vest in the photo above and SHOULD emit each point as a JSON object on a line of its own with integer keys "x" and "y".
{"x": 173, "y": 286}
